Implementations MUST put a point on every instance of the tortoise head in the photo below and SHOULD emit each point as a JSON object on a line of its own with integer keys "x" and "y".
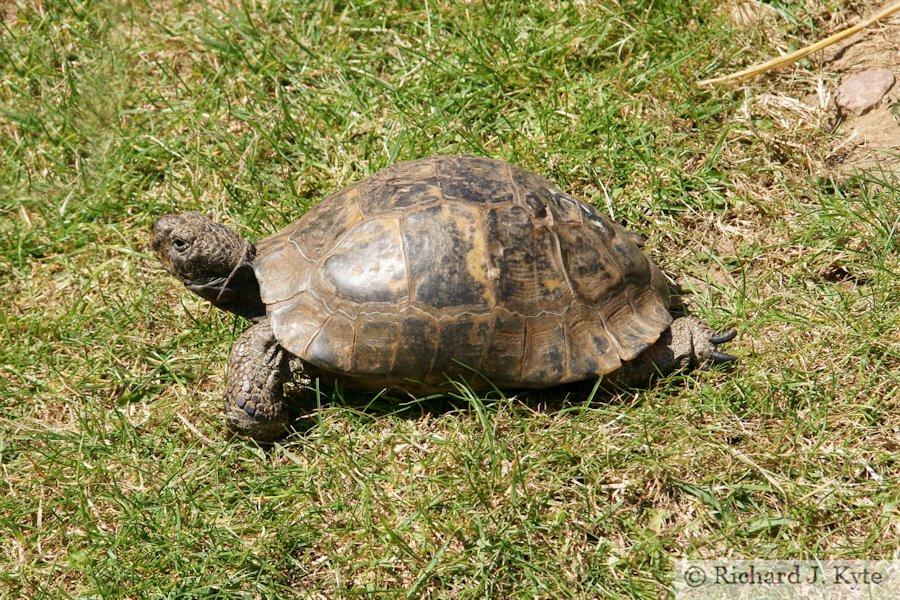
{"x": 210, "y": 260}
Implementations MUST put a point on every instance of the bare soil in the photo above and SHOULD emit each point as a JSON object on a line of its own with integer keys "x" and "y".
{"x": 870, "y": 141}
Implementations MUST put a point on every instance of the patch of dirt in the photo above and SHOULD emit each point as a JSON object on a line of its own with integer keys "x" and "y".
{"x": 873, "y": 139}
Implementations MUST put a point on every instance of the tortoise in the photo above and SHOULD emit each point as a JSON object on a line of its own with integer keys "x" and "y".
{"x": 449, "y": 268}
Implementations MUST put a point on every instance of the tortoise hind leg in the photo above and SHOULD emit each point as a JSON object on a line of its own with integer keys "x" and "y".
{"x": 688, "y": 343}
{"x": 259, "y": 367}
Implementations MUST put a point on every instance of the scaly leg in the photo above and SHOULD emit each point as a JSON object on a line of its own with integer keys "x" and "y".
{"x": 688, "y": 343}
{"x": 259, "y": 367}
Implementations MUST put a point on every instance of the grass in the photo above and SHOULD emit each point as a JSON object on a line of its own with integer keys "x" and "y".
{"x": 117, "y": 477}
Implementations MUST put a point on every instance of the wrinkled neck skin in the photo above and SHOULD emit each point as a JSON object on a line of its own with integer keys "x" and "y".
{"x": 237, "y": 293}
{"x": 210, "y": 260}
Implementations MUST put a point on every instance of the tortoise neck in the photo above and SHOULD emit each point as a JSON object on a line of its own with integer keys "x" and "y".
{"x": 237, "y": 293}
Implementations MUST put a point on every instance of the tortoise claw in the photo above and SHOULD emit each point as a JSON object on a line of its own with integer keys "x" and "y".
{"x": 722, "y": 357}
{"x": 722, "y": 338}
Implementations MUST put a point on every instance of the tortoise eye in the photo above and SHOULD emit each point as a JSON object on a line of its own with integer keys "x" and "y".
{"x": 180, "y": 245}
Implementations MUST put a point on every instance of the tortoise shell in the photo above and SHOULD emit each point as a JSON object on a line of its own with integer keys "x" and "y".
{"x": 459, "y": 267}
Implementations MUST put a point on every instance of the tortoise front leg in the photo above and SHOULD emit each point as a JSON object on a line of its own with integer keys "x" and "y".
{"x": 259, "y": 367}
